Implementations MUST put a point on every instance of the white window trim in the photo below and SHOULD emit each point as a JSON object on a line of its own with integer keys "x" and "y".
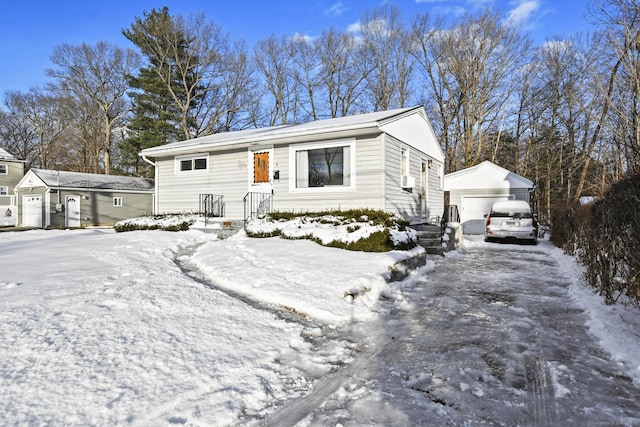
{"x": 118, "y": 202}
{"x": 351, "y": 143}
{"x": 178, "y": 159}
{"x": 4, "y": 190}
{"x": 260, "y": 187}
{"x": 405, "y": 154}
{"x": 6, "y": 169}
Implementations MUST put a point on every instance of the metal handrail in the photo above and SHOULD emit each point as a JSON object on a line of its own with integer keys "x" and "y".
{"x": 211, "y": 205}
{"x": 257, "y": 204}
{"x": 451, "y": 214}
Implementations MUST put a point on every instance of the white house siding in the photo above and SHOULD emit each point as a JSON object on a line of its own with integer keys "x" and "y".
{"x": 367, "y": 192}
{"x": 226, "y": 176}
{"x": 403, "y": 201}
{"x": 435, "y": 195}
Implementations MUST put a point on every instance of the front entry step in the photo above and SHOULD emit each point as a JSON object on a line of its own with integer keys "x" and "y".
{"x": 430, "y": 238}
{"x": 223, "y": 228}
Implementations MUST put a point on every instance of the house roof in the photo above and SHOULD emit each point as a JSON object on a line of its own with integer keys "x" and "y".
{"x": 264, "y": 135}
{"x": 5, "y": 155}
{"x": 485, "y": 175}
{"x": 64, "y": 179}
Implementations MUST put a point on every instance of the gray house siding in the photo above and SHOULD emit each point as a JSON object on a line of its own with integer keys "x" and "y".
{"x": 8, "y": 203}
{"x": 97, "y": 208}
{"x": 15, "y": 171}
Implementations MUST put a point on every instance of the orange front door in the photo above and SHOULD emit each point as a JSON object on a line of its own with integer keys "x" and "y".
{"x": 260, "y": 167}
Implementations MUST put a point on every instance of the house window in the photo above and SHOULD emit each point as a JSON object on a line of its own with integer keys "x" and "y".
{"x": 117, "y": 201}
{"x": 187, "y": 164}
{"x": 4, "y": 190}
{"x": 330, "y": 165}
{"x": 4, "y": 169}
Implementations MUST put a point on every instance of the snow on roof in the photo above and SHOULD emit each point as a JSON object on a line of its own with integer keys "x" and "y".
{"x": 5, "y": 155}
{"x": 353, "y": 122}
{"x": 92, "y": 180}
{"x": 485, "y": 175}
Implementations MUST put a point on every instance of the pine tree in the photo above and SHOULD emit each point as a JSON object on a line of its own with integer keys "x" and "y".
{"x": 160, "y": 99}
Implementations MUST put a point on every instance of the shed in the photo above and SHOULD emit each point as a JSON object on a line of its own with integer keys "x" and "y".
{"x": 61, "y": 199}
{"x": 475, "y": 189}
{"x": 387, "y": 160}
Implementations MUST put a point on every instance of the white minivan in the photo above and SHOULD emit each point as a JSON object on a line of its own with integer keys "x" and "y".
{"x": 511, "y": 220}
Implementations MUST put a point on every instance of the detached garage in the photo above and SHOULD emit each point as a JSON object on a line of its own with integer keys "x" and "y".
{"x": 474, "y": 190}
{"x": 60, "y": 199}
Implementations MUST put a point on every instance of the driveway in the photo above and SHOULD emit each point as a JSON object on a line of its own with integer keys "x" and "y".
{"x": 491, "y": 336}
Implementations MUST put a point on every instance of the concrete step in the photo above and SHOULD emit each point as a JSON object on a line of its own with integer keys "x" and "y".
{"x": 430, "y": 238}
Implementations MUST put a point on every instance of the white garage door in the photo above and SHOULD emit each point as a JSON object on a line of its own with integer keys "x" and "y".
{"x": 474, "y": 208}
{"x": 32, "y": 211}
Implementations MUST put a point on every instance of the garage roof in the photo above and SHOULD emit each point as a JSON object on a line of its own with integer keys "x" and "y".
{"x": 485, "y": 175}
{"x": 64, "y": 179}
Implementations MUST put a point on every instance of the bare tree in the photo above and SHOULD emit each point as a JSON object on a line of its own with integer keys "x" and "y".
{"x": 97, "y": 74}
{"x": 619, "y": 21}
{"x": 341, "y": 73}
{"x": 275, "y": 62}
{"x": 386, "y": 51}
{"x": 469, "y": 69}
{"x": 39, "y": 113}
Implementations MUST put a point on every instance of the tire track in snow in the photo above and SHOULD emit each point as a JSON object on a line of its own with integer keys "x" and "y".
{"x": 540, "y": 388}
{"x": 295, "y": 411}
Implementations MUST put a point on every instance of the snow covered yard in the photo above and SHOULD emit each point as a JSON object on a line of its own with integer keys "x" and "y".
{"x": 103, "y": 328}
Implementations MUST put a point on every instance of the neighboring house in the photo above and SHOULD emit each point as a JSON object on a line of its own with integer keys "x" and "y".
{"x": 475, "y": 189}
{"x": 11, "y": 172}
{"x": 59, "y": 199}
{"x": 386, "y": 160}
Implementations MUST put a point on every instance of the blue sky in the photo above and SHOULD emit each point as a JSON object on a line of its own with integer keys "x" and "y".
{"x": 29, "y": 31}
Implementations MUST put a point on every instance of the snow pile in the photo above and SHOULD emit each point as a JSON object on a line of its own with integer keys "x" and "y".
{"x": 329, "y": 285}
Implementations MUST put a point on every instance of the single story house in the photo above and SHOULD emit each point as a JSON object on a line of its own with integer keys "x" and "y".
{"x": 388, "y": 160}
{"x": 475, "y": 189}
{"x": 60, "y": 199}
{"x": 11, "y": 172}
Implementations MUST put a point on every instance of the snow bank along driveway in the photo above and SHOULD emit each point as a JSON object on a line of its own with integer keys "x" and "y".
{"x": 98, "y": 328}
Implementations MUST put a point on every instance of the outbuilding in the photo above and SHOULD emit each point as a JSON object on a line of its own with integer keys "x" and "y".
{"x": 387, "y": 160}
{"x": 61, "y": 199}
{"x": 474, "y": 190}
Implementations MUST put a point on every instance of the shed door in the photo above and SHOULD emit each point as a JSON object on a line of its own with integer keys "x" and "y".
{"x": 32, "y": 211}
{"x": 474, "y": 208}
{"x": 72, "y": 211}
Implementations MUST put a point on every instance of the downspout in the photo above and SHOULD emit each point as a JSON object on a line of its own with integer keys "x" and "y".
{"x": 155, "y": 182}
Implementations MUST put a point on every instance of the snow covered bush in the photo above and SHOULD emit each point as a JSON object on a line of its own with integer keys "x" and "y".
{"x": 356, "y": 230}
{"x": 177, "y": 222}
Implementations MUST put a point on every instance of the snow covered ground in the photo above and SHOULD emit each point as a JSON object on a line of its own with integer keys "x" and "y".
{"x": 99, "y": 328}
